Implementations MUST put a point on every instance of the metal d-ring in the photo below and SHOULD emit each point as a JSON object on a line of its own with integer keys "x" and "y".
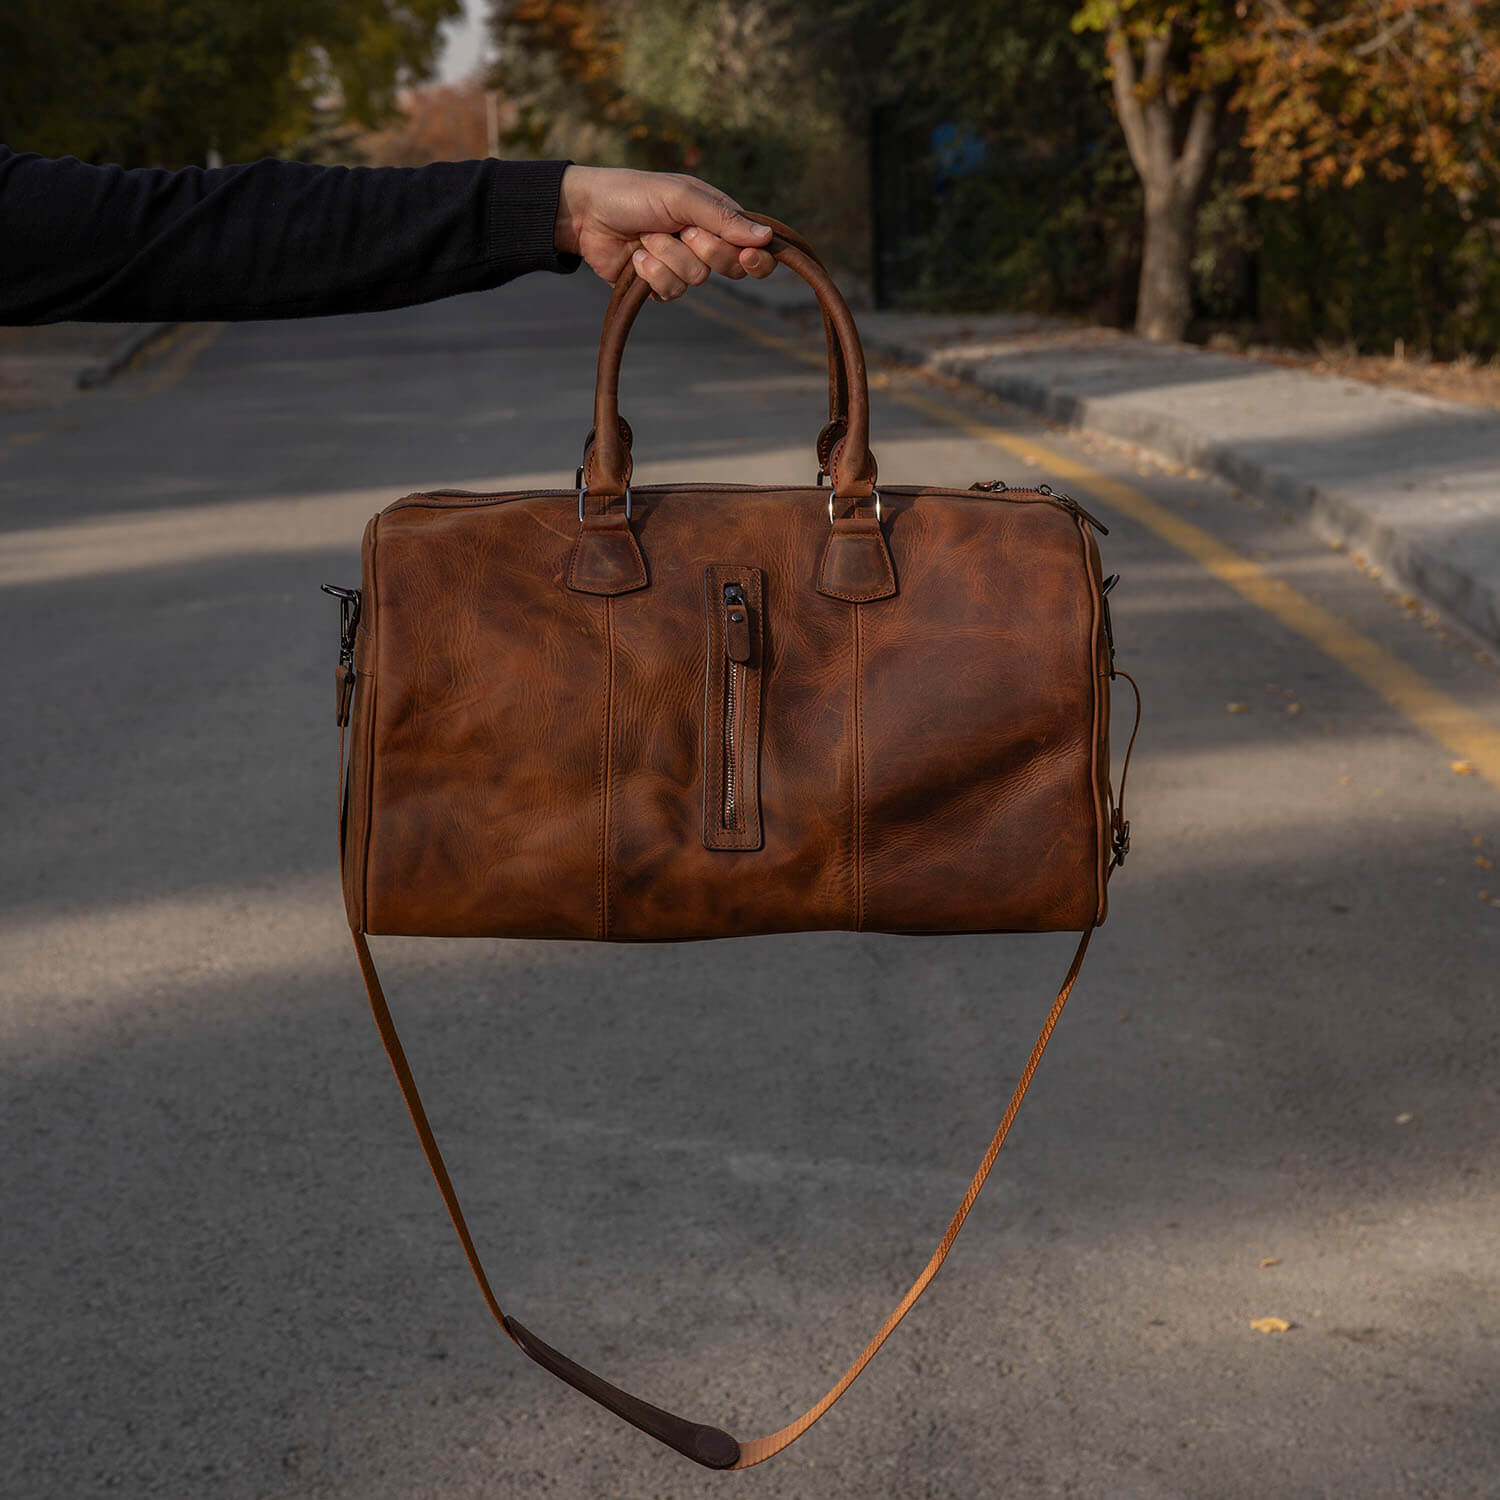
{"x": 581, "y": 493}
{"x": 832, "y": 496}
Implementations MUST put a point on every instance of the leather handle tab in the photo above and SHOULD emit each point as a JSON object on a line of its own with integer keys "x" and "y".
{"x": 856, "y": 564}
{"x": 606, "y": 558}
{"x": 606, "y": 473}
{"x": 705, "y": 1445}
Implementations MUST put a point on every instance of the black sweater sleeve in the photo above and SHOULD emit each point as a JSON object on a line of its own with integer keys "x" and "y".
{"x": 270, "y": 239}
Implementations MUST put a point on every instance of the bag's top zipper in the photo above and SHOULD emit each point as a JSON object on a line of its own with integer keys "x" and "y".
{"x": 994, "y": 488}
{"x": 999, "y": 487}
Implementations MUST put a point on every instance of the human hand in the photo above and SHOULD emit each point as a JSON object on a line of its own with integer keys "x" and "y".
{"x": 675, "y": 228}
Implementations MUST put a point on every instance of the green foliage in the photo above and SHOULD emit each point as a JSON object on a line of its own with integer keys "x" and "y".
{"x": 1051, "y": 219}
{"x": 1210, "y": 30}
{"x": 1377, "y": 262}
{"x": 164, "y": 81}
{"x": 750, "y": 94}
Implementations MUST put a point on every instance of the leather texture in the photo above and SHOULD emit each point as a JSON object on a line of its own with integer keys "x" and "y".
{"x": 695, "y": 711}
{"x": 529, "y": 760}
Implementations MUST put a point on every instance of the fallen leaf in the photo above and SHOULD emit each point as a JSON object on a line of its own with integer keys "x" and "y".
{"x": 1482, "y": 863}
{"x": 1294, "y": 708}
{"x": 1484, "y": 895}
{"x": 1476, "y": 842}
{"x": 1270, "y": 1325}
{"x": 1270, "y": 1260}
{"x": 1343, "y": 781}
{"x": 1462, "y": 768}
{"x": 1237, "y": 708}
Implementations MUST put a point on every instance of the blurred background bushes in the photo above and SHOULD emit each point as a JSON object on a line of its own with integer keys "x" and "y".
{"x": 176, "y": 82}
{"x": 965, "y": 154}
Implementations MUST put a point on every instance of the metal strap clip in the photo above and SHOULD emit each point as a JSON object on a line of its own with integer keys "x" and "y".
{"x": 832, "y": 497}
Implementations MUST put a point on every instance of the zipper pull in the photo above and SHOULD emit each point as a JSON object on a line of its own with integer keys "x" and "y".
{"x": 343, "y": 676}
{"x": 736, "y": 623}
{"x": 1069, "y": 503}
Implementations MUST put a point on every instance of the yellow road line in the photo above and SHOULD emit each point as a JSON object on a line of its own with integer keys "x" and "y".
{"x": 1466, "y": 734}
{"x": 183, "y": 352}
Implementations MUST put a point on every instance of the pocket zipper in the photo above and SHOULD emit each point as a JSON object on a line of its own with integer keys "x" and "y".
{"x": 734, "y": 669}
{"x": 736, "y": 653}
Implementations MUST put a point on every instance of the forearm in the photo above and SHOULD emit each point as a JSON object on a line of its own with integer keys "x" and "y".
{"x": 270, "y": 239}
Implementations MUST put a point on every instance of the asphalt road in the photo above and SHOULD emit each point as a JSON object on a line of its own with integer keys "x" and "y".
{"x": 707, "y": 1170}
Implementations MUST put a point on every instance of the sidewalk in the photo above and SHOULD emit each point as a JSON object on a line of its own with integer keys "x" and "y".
{"x": 1409, "y": 481}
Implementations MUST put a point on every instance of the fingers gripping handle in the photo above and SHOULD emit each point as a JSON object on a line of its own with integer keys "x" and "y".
{"x": 607, "y": 469}
{"x": 706, "y": 1445}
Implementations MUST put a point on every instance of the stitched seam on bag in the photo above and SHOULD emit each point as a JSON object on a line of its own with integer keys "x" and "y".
{"x": 881, "y": 590}
{"x": 605, "y": 767}
{"x": 369, "y": 828}
{"x": 1103, "y": 818}
{"x": 859, "y": 785}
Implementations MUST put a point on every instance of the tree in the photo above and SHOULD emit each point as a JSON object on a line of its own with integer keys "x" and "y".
{"x": 747, "y": 92}
{"x": 1169, "y": 65}
{"x": 1333, "y": 93}
{"x": 559, "y": 61}
{"x": 1327, "y": 93}
{"x": 1045, "y": 214}
{"x": 162, "y": 82}
{"x": 443, "y": 122}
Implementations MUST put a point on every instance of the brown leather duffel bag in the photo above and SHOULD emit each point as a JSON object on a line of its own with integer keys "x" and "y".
{"x": 693, "y": 711}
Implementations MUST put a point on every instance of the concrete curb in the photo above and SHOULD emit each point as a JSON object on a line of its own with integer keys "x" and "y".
{"x": 1471, "y": 596}
{"x": 1329, "y": 514}
{"x": 129, "y": 345}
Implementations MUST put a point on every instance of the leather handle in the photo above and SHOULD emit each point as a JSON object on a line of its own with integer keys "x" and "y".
{"x": 607, "y": 468}
{"x": 838, "y": 379}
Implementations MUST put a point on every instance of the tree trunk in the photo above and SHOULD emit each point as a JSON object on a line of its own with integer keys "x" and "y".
{"x": 1166, "y": 300}
{"x": 1172, "y": 177}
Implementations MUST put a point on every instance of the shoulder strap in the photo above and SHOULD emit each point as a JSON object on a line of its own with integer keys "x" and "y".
{"x": 709, "y": 1446}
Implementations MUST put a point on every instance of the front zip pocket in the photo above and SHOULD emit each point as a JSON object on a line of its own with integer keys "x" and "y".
{"x": 735, "y": 638}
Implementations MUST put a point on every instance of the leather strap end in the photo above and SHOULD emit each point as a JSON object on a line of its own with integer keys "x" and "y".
{"x": 606, "y": 558}
{"x": 860, "y": 484}
{"x": 343, "y": 682}
{"x": 829, "y": 438}
{"x": 709, "y": 1446}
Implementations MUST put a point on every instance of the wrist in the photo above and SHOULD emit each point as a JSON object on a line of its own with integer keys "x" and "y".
{"x": 570, "y": 194}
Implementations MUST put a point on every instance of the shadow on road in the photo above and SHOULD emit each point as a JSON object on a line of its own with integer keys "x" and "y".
{"x": 709, "y": 1169}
